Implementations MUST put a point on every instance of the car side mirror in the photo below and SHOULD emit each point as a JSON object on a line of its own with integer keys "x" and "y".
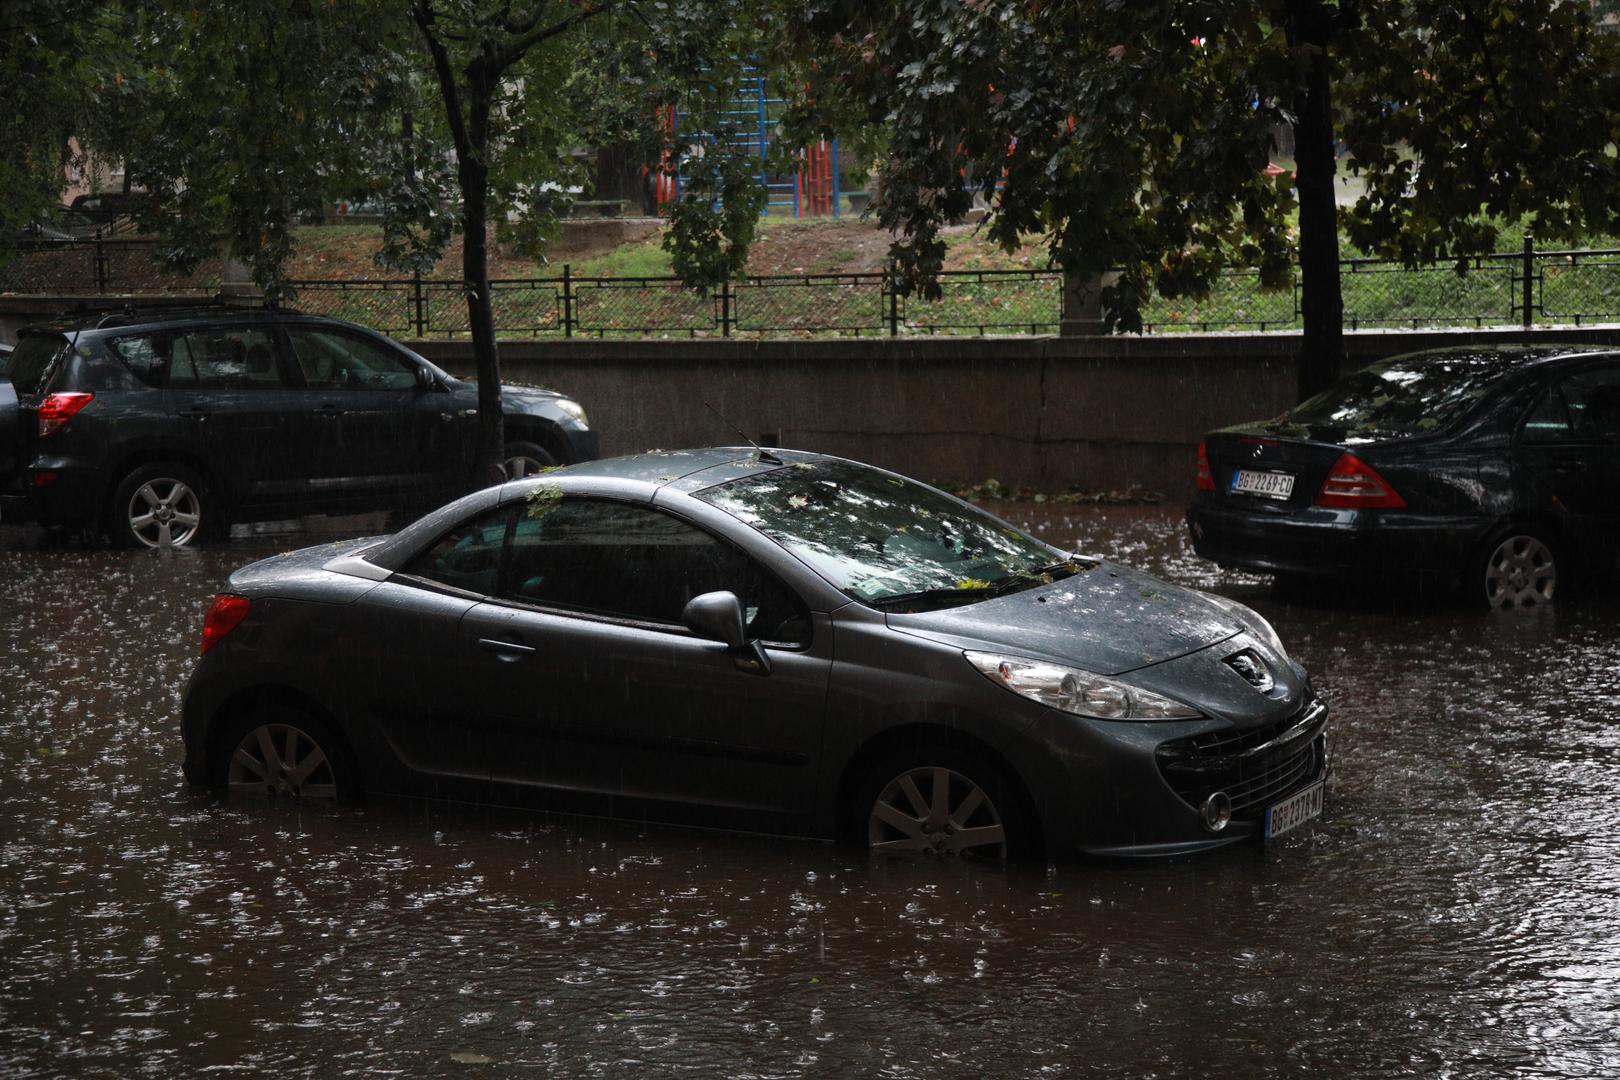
{"x": 718, "y": 616}
{"x": 425, "y": 379}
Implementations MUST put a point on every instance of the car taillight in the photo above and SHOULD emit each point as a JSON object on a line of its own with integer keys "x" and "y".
{"x": 1354, "y": 485}
{"x": 224, "y": 613}
{"x": 1205, "y": 480}
{"x": 57, "y": 409}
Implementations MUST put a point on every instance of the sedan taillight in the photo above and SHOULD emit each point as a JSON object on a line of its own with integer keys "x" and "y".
{"x": 57, "y": 409}
{"x": 1205, "y": 480}
{"x": 1352, "y": 484}
{"x": 224, "y": 613}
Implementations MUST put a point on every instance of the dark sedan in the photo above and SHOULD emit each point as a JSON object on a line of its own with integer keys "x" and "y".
{"x": 777, "y": 642}
{"x": 1496, "y": 469}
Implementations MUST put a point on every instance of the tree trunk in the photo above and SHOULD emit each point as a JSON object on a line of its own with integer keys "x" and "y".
{"x": 1321, "y": 303}
{"x": 473, "y": 172}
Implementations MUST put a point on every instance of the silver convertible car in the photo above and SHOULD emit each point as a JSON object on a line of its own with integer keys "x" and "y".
{"x": 770, "y": 641}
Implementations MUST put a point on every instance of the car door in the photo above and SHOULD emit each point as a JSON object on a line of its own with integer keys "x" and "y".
{"x": 226, "y": 401}
{"x": 1570, "y": 443}
{"x": 425, "y": 708}
{"x": 373, "y": 440}
{"x": 593, "y": 685}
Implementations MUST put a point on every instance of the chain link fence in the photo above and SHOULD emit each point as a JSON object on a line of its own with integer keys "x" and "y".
{"x": 98, "y": 265}
{"x": 1519, "y": 288}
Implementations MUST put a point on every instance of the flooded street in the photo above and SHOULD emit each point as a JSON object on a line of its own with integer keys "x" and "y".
{"x": 1456, "y": 911}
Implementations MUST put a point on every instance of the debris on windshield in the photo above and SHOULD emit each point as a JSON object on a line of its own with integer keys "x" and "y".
{"x": 971, "y": 583}
{"x": 798, "y": 502}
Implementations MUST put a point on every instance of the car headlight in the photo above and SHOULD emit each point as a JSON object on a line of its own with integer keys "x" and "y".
{"x": 1251, "y": 620}
{"x": 574, "y": 409}
{"x": 1079, "y": 692}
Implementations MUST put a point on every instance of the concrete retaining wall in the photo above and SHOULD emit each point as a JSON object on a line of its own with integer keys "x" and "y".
{"x": 1043, "y": 412}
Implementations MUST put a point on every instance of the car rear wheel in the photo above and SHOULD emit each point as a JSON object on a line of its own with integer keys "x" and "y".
{"x": 284, "y": 754}
{"x": 526, "y": 459}
{"x": 162, "y": 505}
{"x": 942, "y": 803}
{"x": 1516, "y": 567}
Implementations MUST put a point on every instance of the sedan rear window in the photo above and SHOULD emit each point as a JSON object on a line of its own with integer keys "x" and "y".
{"x": 1406, "y": 395}
{"x": 34, "y": 361}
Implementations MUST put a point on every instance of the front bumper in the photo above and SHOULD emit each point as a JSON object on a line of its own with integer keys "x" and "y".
{"x": 1132, "y": 789}
{"x": 1332, "y": 543}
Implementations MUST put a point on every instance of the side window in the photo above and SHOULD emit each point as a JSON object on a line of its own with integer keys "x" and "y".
{"x": 331, "y": 360}
{"x": 1581, "y": 408}
{"x": 212, "y": 358}
{"x": 468, "y": 557}
{"x": 221, "y": 359}
{"x": 146, "y": 356}
{"x": 631, "y": 562}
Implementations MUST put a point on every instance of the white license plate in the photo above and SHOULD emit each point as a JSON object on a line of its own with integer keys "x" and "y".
{"x": 1267, "y": 485}
{"x": 1294, "y": 811}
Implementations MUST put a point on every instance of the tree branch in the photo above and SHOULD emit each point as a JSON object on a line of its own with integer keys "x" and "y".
{"x": 511, "y": 51}
{"x": 422, "y": 13}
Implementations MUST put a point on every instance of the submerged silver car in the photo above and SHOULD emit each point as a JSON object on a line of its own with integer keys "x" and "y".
{"x": 771, "y": 641}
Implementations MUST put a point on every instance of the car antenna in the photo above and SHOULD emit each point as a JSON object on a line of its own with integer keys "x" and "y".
{"x": 764, "y": 454}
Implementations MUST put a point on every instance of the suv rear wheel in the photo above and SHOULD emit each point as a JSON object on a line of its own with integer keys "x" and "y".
{"x": 163, "y": 505}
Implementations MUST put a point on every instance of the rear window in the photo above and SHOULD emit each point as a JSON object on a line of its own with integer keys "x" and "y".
{"x": 34, "y": 361}
{"x": 1406, "y": 395}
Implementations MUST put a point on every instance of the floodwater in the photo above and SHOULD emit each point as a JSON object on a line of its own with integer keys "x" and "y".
{"x": 1456, "y": 912}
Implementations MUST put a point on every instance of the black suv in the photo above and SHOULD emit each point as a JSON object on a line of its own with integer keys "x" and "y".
{"x": 163, "y": 429}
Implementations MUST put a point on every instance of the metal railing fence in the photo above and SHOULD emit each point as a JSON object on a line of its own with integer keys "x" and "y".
{"x": 1518, "y": 288}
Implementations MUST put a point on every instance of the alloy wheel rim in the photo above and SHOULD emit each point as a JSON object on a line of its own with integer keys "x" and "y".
{"x": 935, "y": 811}
{"x": 522, "y": 465}
{"x": 1520, "y": 573}
{"x": 281, "y": 761}
{"x": 164, "y": 512}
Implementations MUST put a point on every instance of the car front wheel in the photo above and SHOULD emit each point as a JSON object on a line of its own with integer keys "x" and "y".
{"x": 1516, "y": 567}
{"x": 159, "y": 506}
{"x": 943, "y": 803}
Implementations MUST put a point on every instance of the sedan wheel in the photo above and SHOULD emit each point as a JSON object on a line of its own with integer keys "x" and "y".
{"x": 281, "y": 760}
{"x": 1519, "y": 572}
{"x": 937, "y": 811}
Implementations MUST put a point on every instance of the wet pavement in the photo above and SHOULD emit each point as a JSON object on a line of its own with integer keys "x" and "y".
{"x": 1456, "y": 912}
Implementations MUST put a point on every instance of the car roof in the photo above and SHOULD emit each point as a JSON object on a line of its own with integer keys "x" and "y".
{"x": 148, "y": 318}
{"x": 632, "y": 476}
{"x": 1509, "y": 357}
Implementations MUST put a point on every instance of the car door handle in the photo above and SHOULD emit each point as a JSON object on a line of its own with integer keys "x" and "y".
{"x": 511, "y": 649}
{"x": 1568, "y": 465}
{"x": 195, "y": 414}
{"x": 328, "y": 411}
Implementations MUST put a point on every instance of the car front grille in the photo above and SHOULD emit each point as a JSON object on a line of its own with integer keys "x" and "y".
{"x": 1255, "y": 767}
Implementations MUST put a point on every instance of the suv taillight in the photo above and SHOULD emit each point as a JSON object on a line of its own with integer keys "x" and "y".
{"x": 57, "y": 409}
{"x": 224, "y": 613}
{"x": 1205, "y": 480}
{"x": 1352, "y": 484}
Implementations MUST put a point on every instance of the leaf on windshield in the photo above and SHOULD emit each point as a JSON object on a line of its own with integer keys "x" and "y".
{"x": 544, "y": 499}
{"x": 971, "y": 583}
{"x": 798, "y": 502}
{"x": 1428, "y": 423}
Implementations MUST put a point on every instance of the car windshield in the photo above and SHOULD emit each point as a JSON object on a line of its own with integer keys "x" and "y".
{"x": 1405, "y": 395}
{"x": 32, "y": 362}
{"x": 883, "y": 539}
